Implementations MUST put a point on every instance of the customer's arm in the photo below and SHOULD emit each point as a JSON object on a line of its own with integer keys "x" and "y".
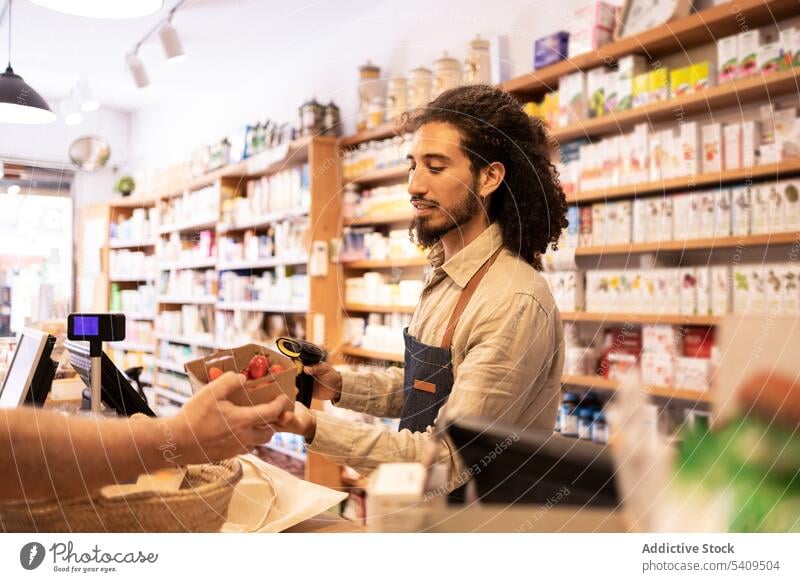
{"x": 512, "y": 352}
{"x": 44, "y": 453}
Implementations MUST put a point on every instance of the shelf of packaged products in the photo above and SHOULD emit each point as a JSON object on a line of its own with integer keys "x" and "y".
{"x": 677, "y": 36}
{"x": 171, "y": 394}
{"x": 382, "y": 131}
{"x": 199, "y": 340}
{"x": 131, "y": 244}
{"x": 285, "y": 451}
{"x": 140, "y": 316}
{"x": 765, "y": 171}
{"x": 721, "y": 242}
{"x": 189, "y": 225}
{"x": 639, "y": 318}
{"x": 263, "y": 307}
{"x": 170, "y": 366}
{"x": 360, "y": 307}
{"x": 133, "y": 347}
{"x": 264, "y": 220}
{"x": 208, "y": 300}
{"x": 370, "y": 354}
{"x": 387, "y": 218}
{"x": 139, "y": 201}
{"x": 380, "y": 176}
{"x": 600, "y": 383}
{"x": 203, "y": 263}
{"x": 131, "y": 279}
{"x": 386, "y": 264}
{"x": 265, "y": 263}
{"x": 731, "y": 94}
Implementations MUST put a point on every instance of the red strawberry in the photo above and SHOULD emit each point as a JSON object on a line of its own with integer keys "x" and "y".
{"x": 258, "y": 367}
{"x": 275, "y": 369}
{"x": 214, "y": 373}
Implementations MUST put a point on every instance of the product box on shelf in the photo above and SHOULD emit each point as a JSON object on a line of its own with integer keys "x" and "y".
{"x": 690, "y": 148}
{"x": 741, "y": 211}
{"x": 662, "y": 339}
{"x": 775, "y": 207}
{"x": 600, "y": 226}
{"x": 701, "y": 76}
{"x": 727, "y": 58}
{"x": 720, "y": 289}
{"x": 586, "y": 227}
{"x": 759, "y": 222}
{"x": 751, "y": 140}
{"x": 773, "y": 286}
{"x": 620, "y": 222}
{"x": 722, "y": 213}
{"x": 594, "y": 14}
{"x": 628, "y": 68}
{"x": 732, "y": 147}
{"x": 685, "y": 218}
{"x": 693, "y": 373}
{"x": 712, "y": 147}
{"x": 698, "y": 342}
{"x": 596, "y": 88}
{"x": 769, "y": 57}
{"x": 657, "y": 369}
{"x": 789, "y": 191}
{"x": 688, "y": 290}
{"x": 703, "y": 291}
{"x": 758, "y": 289}
{"x": 585, "y": 40}
{"x": 740, "y": 291}
{"x": 235, "y": 360}
{"x": 790, "y": 302}
{"x": 640, "y": 90}
{"x": 551, "y": 49}
{"x": 748, "y": 43}
{"x": 659, "y": 84}
{"x": 706, "y": 209}
{"x": 787, "y": 41}
{"x": 639, "y": 218}
{"x": 680, "y": 81}
{"x": 572, "y": 98}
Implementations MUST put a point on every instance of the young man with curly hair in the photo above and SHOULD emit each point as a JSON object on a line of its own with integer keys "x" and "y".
{"x": 486, "y": 338}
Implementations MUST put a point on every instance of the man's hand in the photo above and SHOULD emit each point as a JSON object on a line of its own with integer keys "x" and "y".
{"x": 327, "y": 381}
{"x": 209, "y": 427}
{"x": 302, "y": 421}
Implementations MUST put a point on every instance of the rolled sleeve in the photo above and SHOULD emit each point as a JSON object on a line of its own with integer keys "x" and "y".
{"x": 379, "y": 393}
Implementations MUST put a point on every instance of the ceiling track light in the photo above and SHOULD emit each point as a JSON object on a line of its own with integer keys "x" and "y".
{"x": 170, "y": 42}
{"x": 136, "y": 67}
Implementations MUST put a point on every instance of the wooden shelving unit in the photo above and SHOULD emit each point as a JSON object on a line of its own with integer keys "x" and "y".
{"x": 262, "y": 221}
{"x": 131, "y": 244}
{"x": 383, "y": 131}
{"x": 679, "y": 35}
{"x": 723, "y": 242}
{"x": 257, "y": 306}
{"x": 369, "y": 354}
{"x": 767, "y": 171}
{"x": 388, "y": 218}
{"x": 639, "y": 318}
{"x": 387, "y": 264}
{"x": 199, "y": 224}
{"x": 667, "y": 392}
{"x": 266, "y": 263}
{"x": 205, "y": 263}
{"x": 207, "y": 300}
{"x": 381, "y": 176}
{"x": 361, "y": 308}
{"x": 190, "y": 340}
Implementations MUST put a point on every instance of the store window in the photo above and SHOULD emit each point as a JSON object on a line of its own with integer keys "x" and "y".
{"x": 35, "y": 248}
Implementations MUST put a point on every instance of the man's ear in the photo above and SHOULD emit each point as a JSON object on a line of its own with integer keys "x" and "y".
{"x": 490, "y": 179}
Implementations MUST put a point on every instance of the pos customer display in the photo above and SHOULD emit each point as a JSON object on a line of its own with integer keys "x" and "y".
{"x": 31, "y": 372}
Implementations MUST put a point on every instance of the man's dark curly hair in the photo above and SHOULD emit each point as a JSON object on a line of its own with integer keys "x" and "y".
{"x": 529, "y": 206}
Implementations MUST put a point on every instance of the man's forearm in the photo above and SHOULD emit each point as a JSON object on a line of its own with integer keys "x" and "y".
{"x": 45, "y": 454}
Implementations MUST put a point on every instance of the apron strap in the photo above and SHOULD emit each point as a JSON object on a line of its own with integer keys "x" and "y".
{"x": 463, "y": 300}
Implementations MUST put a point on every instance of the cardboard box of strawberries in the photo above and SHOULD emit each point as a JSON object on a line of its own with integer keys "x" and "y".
{"x": 267, "y": 373}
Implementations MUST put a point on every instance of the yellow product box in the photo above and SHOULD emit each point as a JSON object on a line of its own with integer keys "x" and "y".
{"x": 659, "y": 84}
{"x": 701, "y": 76}
{"x": 680, "y": 82}
{"x": 641, "y": 89}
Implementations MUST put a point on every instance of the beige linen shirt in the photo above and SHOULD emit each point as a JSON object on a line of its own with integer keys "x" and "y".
{"x": 507, "y": 357}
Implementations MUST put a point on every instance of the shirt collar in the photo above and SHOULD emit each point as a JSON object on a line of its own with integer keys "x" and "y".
{"x": 466, "y": 262}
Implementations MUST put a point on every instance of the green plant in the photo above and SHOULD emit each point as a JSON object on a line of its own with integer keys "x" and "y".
{"x": 125, "y": 185}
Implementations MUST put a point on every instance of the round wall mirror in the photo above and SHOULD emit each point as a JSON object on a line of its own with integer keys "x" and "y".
{"x": 89, "y": 152}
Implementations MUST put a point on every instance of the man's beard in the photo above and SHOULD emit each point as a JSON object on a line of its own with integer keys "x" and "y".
{"x": 427, "y": 235}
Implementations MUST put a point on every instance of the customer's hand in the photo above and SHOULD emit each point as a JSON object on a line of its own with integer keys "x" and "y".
{"x": 302, "y": 421}
{"x": 209, "y": 427}
{"x": 327, "y": 381}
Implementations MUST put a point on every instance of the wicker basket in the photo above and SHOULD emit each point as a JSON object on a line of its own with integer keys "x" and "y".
{"x": 200, "y": 506}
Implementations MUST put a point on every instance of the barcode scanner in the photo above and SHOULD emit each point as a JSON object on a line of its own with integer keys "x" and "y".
{"x": 306, "y": 354}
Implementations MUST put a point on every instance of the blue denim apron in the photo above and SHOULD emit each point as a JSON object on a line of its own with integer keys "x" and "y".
{"x": 429, "y": 369}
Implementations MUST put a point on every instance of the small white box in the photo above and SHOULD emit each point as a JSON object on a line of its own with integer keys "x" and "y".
{"x": 600, "y": 229}
{"x": 620, "y": 221}
{"x": 720, "y": 290}
{"x": 748, "y": 43}
{"x": 732, "y": 147}
{"x": 703, "y": 290}
{"x": 657, "y": 157}
{"x": 775, "y": 207}
{"x": 773, "y": 286}
{"x": 790, "y": 201}
{"x": 688, "y": 290}
{"x": 394, "y": 490}
{"x": 790, "y": 302}
{"x": 690, "y": 147}
{"x": 742, "y": 210}
{"x": 706, "y": 208}
{"x": 712, "y": 147}
{"x": 769, "y": 57}
{"x": 627, "y": 68}
{"x": 672, "y": 285}
{"x": 727, "y": 58}
{"x": 662, "y": 339}
{"x": 722, "y": 213}
{"x": 681, "y": 216}
{"x": 693, "y": 373}
{"x": 741, "y": 289}
{"x": 657, "y": 369}
{"x": 760, "y": 210}
{"x": 758, "y": 289}
{"x": 751, "y": 140}
{"x": 640, "y": 225}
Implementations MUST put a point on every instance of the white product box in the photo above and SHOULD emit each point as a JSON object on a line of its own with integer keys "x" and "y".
{"x": 600, "y": 228}
{"x": 741, "y": 289}
{"x": 758, "y": 289}
{"x": 688, "y": 290}
{"x": 665, "y": 218}
{"x": 395, "y": 491}
{"x": 656, "y": 157}
{"x": 662, "y": 339}
{"x": 732, "y": 147}
{"x": 639, "y": 227}
{"x": 759, "y": 223}
{"x": 690, "y": 148}
{"x": 773, "y": 287}
{"x": 790, "y": 195}
{"x": 775, "y": 207}
{"x": 787, "y": 46}
{"x": 647, "y": 291}
{"x": 790, "y": 302}
{"x": 786, "y": 133}
{"x": 712, "y": 147}
{"x": 722, "y": 213}
{"x": 769, "y": 57}
{"x": 703, "y": 291}
{"x": 671, "y": 145}
{"x": 587, "y": 39}
{"x": 640, "y": 151}
{"x": 572, "y": 100}
{"x": 682, "y": 216}
{"x": 597, "y": 91}
{"x": 727, "y": 58}
{"x": 751, "y": 140}
{"x": 720, "y": 290}
{"x": 627, "y": 68}
{"x": 706, "y": 209}
{"x": 742, "y": 210}
{"x": 748, "y": 43}
{"x": 620, "y": 222}
{"x": 657, "y": 369}
{"x": 593, "y": 14}
{"x": 693, "y": 373}
{"x": 669, "y": 281}
{"x": 611, "y": 103}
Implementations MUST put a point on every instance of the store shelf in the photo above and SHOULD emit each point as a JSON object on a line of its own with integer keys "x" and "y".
{"x": 383, "y": 175}
{"x": 261, "y": 263}
{"x": 170, "y": 366}
{"x": 132, "y": 279}
{"x": 387, "y": 264}
{"x": 134, "y": 202}
{"x": 765, "y": 171}
{"x": 263, "y": 307}
{"x": 383, "y": 131}
{"x": 639, "y": 318}
{"x": 285, "y": 451}
{"x": 204, "y": 263}
{"x": 669, "y": 392}
{"x": 279, "y": 157}
{"x": 372, "y": 355}
{"x": 724, "y": 242}
{"x": 198, "y": 340}
{"x": 360, "y": 307}
{"x": 387, "y": 218}
{"x": 677, "y": 36}
{"x": 210, "y": 300}
{"x": 264, "y": 220}
{"x": 202, "y": 224}
{"x": 731, "y": 94}
{"x": 132, "y": 347}
{"x": 171, "y": 394}
{"x": 140, "y": 316}
{"x": 131, "y": 244}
